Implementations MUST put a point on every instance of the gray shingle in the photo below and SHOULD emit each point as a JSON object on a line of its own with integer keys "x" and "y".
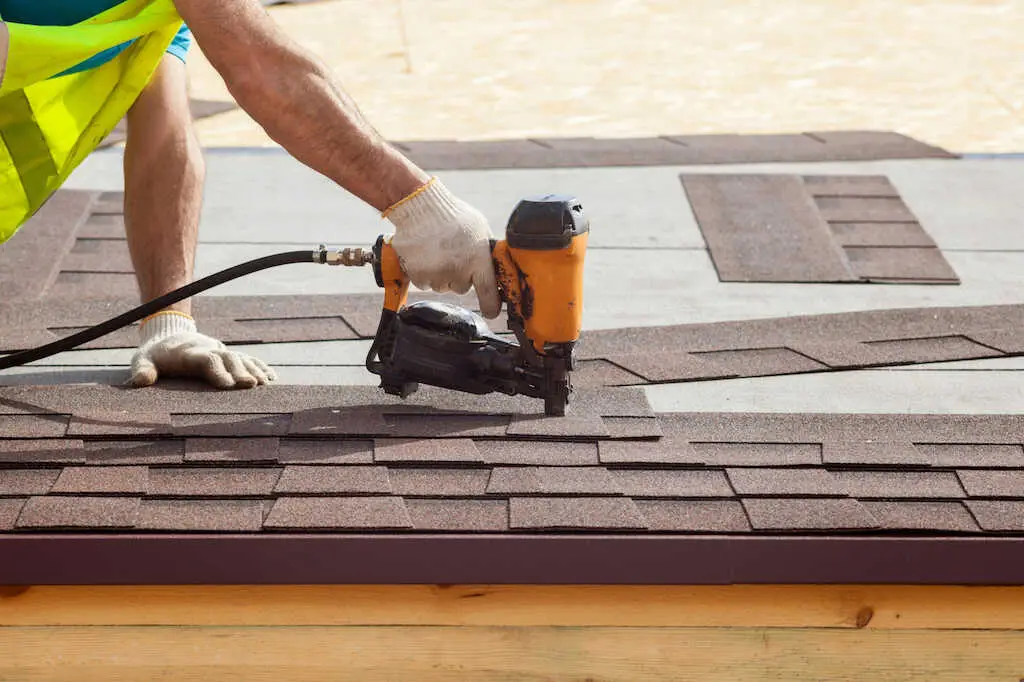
{"x": 937, "y": 516}
{"x": 332, "y": 479}
{"x": 993, "y": 483}
{"x": 201, "y": 515}
{"x": 458, "y": 515}
{"x": 712, "y": 516}
{"x": 72, "y": 511}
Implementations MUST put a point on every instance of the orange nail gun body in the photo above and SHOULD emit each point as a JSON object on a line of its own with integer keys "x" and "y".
{"x": 539, "y": 268}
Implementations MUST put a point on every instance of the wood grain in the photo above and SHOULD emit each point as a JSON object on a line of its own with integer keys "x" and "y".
{"x": 482, "y": 654}
{"x": 875, "y": 607}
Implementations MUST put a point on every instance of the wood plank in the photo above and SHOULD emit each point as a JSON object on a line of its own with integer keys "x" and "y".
{"x": 482, "y": 654}
{"x": 881, "y": 607}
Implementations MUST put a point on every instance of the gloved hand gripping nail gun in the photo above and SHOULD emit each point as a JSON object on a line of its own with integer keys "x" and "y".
{"x": 539, "y": 268}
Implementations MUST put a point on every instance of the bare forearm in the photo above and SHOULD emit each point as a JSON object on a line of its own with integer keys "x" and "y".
{"x": 297, "y": 101}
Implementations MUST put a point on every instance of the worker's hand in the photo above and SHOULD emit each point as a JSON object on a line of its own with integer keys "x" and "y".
{"x": 443, "y": 244}
{"x": 172, "y": 347}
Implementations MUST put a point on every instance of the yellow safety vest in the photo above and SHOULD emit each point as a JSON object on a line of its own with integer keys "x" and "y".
{"x": 49, "y": 125}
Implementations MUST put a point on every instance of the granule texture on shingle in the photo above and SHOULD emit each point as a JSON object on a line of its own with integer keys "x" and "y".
{"x": 425, "y": 450}
{"x": 899, "y": 484}
{"x": 776, "y": 482}
{"x": 792, "y": 514}
{"x": 872, "y": 453}
{"x": 124, "y": 480}
{"x": 33, "y": 425}
{"x": 339, "y": 513}
{"x": 458, "y": 514}
{"x": 22, "y": 482}
{"x": 666, "y": 450}
{"x": 993, "y": 483}
{"x": 135, "y": 452}
{"x": 908, "y": 515}
{"x": 446, "y": 425}
{"x": 553, "y": 481}
{"x": 971, "y": 455}
{"x": 998, "y": 515}
{"x": 673, "y": 483}
{"x": 436, "y": 482}
{"x": 230, "y": 425}
{"x": 212, "y": 481}
{"x": 231, "y": 449}
{"x": 333, "y": 479}
{"x": 541, "y": 453}
{"x": 10, "y": 507}
{"x": 42, "y": 451}
{"x": 574, "y": 512}
{"x": 757, "y": 454}
{"x": 338, "y": 422}
{"x": 201, "y": 515}
{"x": 325, "y": 451}
{"x": 712, "y": 516}
{"x": 73, "y": 511}
{"x": 570, "y": 426}
{"x": 114, "y": 423}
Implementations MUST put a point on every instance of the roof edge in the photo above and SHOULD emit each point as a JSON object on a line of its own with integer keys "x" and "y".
{"x": 174, "y": 559}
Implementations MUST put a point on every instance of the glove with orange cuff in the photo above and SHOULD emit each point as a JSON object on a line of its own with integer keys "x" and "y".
{"x": 443, "y": 244}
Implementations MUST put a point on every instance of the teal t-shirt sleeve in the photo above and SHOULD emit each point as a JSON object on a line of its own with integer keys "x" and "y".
{"x": 67, "y": 12}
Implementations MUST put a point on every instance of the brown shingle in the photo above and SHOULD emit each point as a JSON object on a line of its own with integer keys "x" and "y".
{"x": 42, "y": 451}
{"x": 899, "y": 484}
{"x": 21, "y": 482}
{"x": 667, "y": 450}
{"x": 757, "y": 454}
{"x": 332, "y": 479}
{"x": 808, "y": 514}
{"x": 872, "y": 453}
{"x": 552, "y": 481}
{"x": 434, "y": 482}
{"x": 938, "y": 516}
{"x": 993, "y": 483}
{"x": 458, "y": 515}
{"x": 231, "y": 449}
{"x": 803, "y": 482}
{"x": 446, "y": 425}
{"x": 996, "y": 516}
{"x": 429, "y": 450}
{"x": 972, "y": 455}
{"x": 201, "y": 515}
{"x": 124, "y": 480}
{"x": 673, "y": 483}
{"x": 230, "y": 425}
{"x": 762, "y": 361}
{"x": 135, "y": 452}
{"x": 571, "y": 512}
{"x": 337, "y": 421}
{"x": 545, "y": 453}
{"x": 713, "y": 516}
{"x": 326, "y": 451}
{"x": 72, "y": 511}
{"x": 113, "y": 423}
{"x": 212, "y": 482}
{"x": 10, "y": 507}
{"x": 338, "y": 513}
{"x": 583, "y": 426}
{"x": 33, "y": 425}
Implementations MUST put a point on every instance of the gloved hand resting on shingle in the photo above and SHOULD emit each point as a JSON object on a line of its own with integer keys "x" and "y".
{"x": 171, "y": 347}
{"x": 444, "y": 244}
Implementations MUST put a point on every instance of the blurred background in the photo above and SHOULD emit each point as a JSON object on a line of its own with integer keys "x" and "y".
{"x": 950, "y": 73}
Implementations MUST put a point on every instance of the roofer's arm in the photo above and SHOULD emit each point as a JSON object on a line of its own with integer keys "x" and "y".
{"x": 442, "y": 241}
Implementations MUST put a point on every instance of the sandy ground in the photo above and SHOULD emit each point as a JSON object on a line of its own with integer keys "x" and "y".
{"x": 950, "y": 73}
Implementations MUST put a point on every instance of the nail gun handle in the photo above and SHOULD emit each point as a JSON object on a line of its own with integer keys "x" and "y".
{"x": 387, "y": 269}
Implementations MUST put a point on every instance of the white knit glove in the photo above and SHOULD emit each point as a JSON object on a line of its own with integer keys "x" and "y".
{"x": 443, "y": 244}
{"x": 170, "y": 346}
